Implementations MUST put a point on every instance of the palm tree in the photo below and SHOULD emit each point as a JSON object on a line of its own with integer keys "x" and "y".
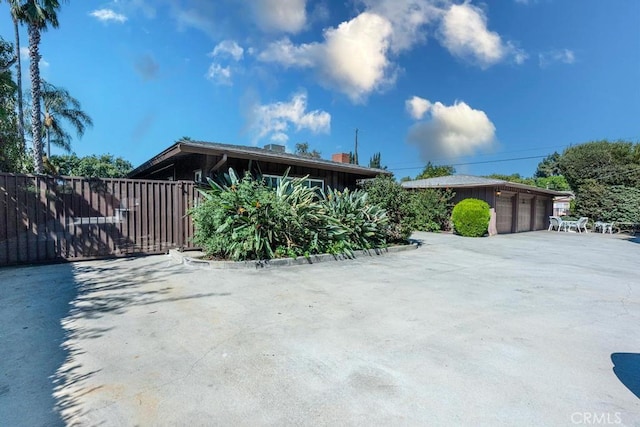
{"x": 16, "y": 28}
{"x": 58, "y": 105}
{"x": 37, "y": 14}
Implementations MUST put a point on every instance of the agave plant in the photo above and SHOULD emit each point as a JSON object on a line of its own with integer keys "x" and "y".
{"x": 364, "y": 224}
{"x": 243, "y": 219}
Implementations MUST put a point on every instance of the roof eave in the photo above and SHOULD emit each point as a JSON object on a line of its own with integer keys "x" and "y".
{"x": 202, "y": 148}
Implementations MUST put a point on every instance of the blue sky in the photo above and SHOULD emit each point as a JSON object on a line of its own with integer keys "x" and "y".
{"x": 467, "y": 83}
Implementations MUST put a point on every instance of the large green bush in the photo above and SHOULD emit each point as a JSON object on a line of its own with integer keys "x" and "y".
{"x": 420, "y": 210}
{"x": 470, "y": 218}
{"x": 247, "y": 220}
{"x": 608, "y": 202}
{"x": 385, "y": 192}
{"x": 430, "y": 209}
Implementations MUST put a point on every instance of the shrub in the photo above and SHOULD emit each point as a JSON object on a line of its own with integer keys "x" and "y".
{"x": 421, "y": 210}
{"x": 237, "y": 222}
{"x": 430, "y": 209}
{"x": 364, "y": 225}
{"x": 608, "y": 202}
{"x": 246, "y": 220}
{"x": 470, "y": 218}
{"x": 385, "y": 192}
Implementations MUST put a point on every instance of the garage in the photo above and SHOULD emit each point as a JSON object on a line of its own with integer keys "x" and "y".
{"x": 519, "y": 207}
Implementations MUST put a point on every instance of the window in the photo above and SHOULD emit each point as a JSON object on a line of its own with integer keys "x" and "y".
{"x": 273, "y": 180}
{"x": 197, "y": 175}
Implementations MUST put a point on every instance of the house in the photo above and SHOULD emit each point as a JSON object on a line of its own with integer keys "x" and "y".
{"x": 197, "y": 160}
{"x": 518, "y": 207}
{"x": 562, "y": 204}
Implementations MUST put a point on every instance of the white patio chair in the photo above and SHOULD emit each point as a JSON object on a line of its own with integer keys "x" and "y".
{"x": 555, "y": 222}
{"x": 578, "y": 225}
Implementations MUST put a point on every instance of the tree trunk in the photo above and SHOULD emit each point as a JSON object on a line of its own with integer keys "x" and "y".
{"x": 34, "y": 71}
{"x": 19, "y": 81}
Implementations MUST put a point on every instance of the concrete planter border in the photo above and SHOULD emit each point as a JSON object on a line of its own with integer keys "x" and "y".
{"x": 193, "y": 258}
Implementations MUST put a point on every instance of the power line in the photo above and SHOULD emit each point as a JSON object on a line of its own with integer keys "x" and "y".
{"x": 480, "y": 162}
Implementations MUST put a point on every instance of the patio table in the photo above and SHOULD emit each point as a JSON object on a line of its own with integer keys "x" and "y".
{"x": 603, "y": 227}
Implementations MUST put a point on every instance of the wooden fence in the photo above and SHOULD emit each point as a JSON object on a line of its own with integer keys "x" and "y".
{"x": 45, "y": 218}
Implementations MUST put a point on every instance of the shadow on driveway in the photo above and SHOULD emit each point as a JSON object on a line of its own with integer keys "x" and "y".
{"x": 47, "y": 313}
{"x": 32, "y": 306}
{"x": 626, "y": 366}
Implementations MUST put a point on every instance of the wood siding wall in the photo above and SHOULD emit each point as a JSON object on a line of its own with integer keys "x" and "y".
{"x": 70, "y": 218}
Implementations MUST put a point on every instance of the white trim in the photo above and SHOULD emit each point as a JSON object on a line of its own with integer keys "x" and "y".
{"x": 270, "y": 180}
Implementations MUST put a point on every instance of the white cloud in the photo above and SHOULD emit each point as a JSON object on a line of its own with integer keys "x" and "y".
{"x": 219, "y": 74}
{"x": 563, "y": 56}
{"x": 275, "y": 120}
{"x": 354, "y": 56}
{"x": 200, "y": 16}
{"x": 228, "y": 48}
{"x": 285, "y": 53}
{"x": 288, "y": 16}
{"x": 464, "y": 32}
{"x": 417, "y": 107}
{"x": 352, "y": 59}
{"x": 408, "y": 19}
{"x": 452, "y": 131}
{"x": 108, "y": 15}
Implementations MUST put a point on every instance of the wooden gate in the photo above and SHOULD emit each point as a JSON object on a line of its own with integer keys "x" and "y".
{"x": 45, "y": 218}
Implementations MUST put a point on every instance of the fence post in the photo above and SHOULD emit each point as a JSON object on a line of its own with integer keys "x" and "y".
{"x": 179, "y": 189}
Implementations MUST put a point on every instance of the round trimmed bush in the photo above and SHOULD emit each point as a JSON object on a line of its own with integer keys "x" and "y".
{"x": 470, "y": 218}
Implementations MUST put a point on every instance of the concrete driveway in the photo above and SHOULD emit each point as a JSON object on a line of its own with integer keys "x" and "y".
{"x": 528, "y": 329}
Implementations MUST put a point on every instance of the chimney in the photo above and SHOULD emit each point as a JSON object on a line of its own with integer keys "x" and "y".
{"x": 340, "y": 157}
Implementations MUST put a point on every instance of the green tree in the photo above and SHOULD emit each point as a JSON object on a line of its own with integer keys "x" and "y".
{"x": 548, "y": 166}
{"x": 434, "y": 171}
{"x": 516, "y": 177}
{"x": 37, "y": 15}
{"x": 60, "y": 106}
{"x": 102, "y": 166}
{"x": 610, "y": 163}
{"x": 12, "y": 157}
{"x": 16, "y": 30}
{"x": 554, "y": 182}
{"x": 302, "y": 149}
{"x": 376, "y": 162}
{"x": 605, "y": 177}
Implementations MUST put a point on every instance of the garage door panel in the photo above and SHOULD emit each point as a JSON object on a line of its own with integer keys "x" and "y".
{"x": 504, "y": 214}
{"x": 541, "y": 214}
{"x": 524, "y": 215}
